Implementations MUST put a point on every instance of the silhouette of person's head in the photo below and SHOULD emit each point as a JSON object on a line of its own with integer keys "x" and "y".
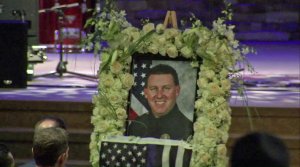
{"x": 50, "y": 121}
{"x": 50, "y": 147}
{"x": 6, "y": 158}
{"x": 259, "y": 150}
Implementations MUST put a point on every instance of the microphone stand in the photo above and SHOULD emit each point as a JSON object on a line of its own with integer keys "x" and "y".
{"x": 61, "y": 67}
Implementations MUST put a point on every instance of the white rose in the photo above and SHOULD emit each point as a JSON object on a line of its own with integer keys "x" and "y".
{"x": 204, "y": 34}
{"x": 178, "y": 42}
{"x": 161, "y": 40}
{"x": 188, "y": 33}
{"x": 121, "y": 114}
{"x": 225, "y": 136}
{"x": 211, "y": 113}
{"x": 94, "y": 136}
{"x": 106, "y": 79}
{"x": 172, "y": 51}
{"x": 171, "y": 33}
{"x": 213, "y": 45}
{"x": 135, "y": 36}
{"x": 96, "y": 110}
{"x": 222, "y": 161}
{"x": 127, "y": 80}
{"x": 104, "y": 126}
{"x": 148, "y": 27}
{"x": 206, "y": 94}
{"x": 116, "y": 67}
{"x": 153, "y": 49}
{"x": 119, "y": 124}
{"x": 198, "y": 127}
{"x": 199, "y": 104}
{"x": 104, "y": 111}
{"x": 162, "y": 51}
{"x": 114, "y": 98}
{"x": 160, "y": 28}
{"x": 187, "y": 52}
{"x": 124, "y": 94}
{"x": 220, "y": 102}
{"x": 226, "y": 84}
{"x": 95, "y": 119}
{"x": 221, "y": 150}
{"x": 224, "y": 73}
{"x": 117, "y": 85}
{"x": 102, "y": 100}
{"x": 224, "y": 115}
{"x": 209, "y": 74}
{"x": 214, "y": 89}
{"x": 202, "y": 83}
{"x": 205, "y": 158}
{"x": 200, "y": 51}
{"x": 211, "y": 132}
{"x": 209, "y": 142}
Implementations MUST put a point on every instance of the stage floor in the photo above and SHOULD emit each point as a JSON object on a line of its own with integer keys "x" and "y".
{"x": 276, "y": 82}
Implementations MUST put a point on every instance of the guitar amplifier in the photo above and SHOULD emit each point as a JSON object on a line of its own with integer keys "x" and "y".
{"x": 13, "y": 54}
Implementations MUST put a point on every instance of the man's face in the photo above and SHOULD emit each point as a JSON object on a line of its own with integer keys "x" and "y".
{"x": 161, "y": 93}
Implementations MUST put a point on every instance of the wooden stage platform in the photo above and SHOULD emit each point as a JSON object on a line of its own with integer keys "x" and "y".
{"x": 18, "y": 119}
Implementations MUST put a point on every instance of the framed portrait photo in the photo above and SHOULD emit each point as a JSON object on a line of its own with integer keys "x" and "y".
{"x": 162, "y": 98}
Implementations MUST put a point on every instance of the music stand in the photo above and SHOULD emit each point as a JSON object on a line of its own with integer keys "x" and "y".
{"x": 61, "y": 67}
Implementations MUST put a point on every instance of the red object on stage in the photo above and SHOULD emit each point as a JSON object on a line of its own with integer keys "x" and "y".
{"x": 71, "y": 24}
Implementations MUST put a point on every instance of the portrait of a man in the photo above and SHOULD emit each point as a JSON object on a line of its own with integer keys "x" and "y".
{"x": 163, "y": 117}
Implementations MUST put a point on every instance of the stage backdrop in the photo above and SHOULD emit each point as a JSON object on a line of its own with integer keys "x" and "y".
{"x": 72, "y": 24}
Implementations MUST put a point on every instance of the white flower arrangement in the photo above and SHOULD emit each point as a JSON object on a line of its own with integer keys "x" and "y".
{"x": 217, "y": 48}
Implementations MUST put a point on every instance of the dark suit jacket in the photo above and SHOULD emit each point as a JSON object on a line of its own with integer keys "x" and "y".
{"x": 174, "y": 124}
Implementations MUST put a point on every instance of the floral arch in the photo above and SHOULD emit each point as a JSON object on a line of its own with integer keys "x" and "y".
{"x": 116, "y": 41}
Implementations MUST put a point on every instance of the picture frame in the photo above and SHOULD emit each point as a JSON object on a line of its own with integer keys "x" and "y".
{"x": 116, "y": 41}
{"x": 176, "y": 122}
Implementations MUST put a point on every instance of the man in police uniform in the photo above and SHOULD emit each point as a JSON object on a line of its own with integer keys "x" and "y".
{"x": 165, "y": 119}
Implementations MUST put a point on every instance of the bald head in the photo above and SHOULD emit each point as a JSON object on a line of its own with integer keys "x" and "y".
{"x": 49, "y": 122}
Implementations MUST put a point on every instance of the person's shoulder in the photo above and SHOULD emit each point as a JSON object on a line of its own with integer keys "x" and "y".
{"x": 142, "y": 117}
{"x": 137, "y": 126}
{"x": 183, "y": 118}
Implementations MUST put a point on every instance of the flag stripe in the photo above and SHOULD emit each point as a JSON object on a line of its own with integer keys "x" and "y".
{"x": 137, "y": 106}
{"x": 166, "y": 156}
{"x": 179, "y": 157}
{"x": 147, "y": 140}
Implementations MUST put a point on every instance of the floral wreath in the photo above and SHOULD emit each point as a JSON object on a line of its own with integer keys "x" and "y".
{"x": 116, "y": 40}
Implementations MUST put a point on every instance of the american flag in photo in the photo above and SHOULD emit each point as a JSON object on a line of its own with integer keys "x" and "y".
{"x": 139, "y": 104}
